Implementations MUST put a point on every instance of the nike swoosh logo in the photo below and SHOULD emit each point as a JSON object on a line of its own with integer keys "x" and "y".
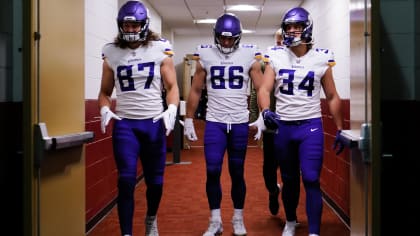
{"x": 315, "y": 129}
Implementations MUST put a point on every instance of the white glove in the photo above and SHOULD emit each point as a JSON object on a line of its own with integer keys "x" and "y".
{"x": 189, "y": 130}
{"x": 259, "y": 124}
{"x": 106, "y": 116}
{"x": 169, "y": 118}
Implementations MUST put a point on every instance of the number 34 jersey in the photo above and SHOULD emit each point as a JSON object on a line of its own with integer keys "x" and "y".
{"x": 298, "y": 81}
{"x": 138, "y": 82}
{"x": 227, "y": 81}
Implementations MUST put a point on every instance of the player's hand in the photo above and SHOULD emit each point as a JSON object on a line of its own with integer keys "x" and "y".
{"x": 338, "y": 146}
{"x": 106, "y": 116}
{"x": 189, "y": 130}
{"x": 271, "y": 119}
{"x": 259, "y": 124}
{"x": 169, "y": 118}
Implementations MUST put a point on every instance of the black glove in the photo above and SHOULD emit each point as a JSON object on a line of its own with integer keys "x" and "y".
{"x": 271, "y": 119}
{"x": 339, "y": 143}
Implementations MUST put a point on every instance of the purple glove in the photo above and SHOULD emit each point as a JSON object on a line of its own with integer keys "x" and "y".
{"x": 338, "y": 143}
{"x": 271, "y": 119}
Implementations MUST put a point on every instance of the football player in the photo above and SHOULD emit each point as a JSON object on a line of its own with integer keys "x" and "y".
{"x": 139, "y": 65}
{"x": 225, "y": 68}
{"x": 297, "y": 71}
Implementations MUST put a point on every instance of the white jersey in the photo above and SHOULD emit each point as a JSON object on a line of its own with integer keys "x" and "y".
{"x": 298, "y": 81}
{"x": 227, "y": 82}
{"x": 138, "y": 81}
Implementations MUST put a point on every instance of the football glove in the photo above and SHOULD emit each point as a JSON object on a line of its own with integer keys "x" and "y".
{"x": 189, "y": 130}
{"x": 169, "y": 118}
{"x": 106, "y": 116}
{"x": 339, "y": 143}
{"x": 271, "y": 119}
{"x": 259, "y": 124}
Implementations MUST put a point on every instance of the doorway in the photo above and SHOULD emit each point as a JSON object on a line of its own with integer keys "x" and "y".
{"x": 11, "y": 110}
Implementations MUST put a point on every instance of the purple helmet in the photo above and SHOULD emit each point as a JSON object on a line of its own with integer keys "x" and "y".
{"x": 133, "y": 11}
{"x": 230, "y": 26}
{"x": 297, "y": 15}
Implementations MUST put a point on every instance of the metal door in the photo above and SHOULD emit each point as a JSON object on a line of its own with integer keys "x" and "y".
{"x": 363, "y": 120}
{"x": 53, "y": 117}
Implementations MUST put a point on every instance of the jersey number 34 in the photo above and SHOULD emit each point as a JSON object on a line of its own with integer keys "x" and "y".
{"x": 306, "y": 84}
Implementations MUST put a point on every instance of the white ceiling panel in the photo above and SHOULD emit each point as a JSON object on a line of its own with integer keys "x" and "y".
{"x": 179, "y": 14}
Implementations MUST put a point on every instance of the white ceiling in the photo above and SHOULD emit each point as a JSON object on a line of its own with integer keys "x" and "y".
{"x": 179, "y": 14}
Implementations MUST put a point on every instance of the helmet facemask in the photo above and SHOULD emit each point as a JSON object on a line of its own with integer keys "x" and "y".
{"x": 226, "y": 50}
{"x": 141, "y": 35}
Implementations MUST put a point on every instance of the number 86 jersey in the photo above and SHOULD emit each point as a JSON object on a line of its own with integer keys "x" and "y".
{"x": 227, "y": 80}
{"x": 298, "y": 81}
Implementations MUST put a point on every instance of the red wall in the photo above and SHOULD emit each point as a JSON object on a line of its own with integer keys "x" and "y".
{"x": 335, "y": 180}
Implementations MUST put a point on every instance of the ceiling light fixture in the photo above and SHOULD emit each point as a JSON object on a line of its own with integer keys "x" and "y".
{"x": 242, "y": 7}
{"x": 205, "y": 21}
{"x": 245, "y": 31}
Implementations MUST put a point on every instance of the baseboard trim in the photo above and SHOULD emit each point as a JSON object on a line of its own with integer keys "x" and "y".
{"x": 340, "y": 213}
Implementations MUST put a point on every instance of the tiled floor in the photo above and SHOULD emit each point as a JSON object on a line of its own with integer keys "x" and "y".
{"x": 184, "y": 209}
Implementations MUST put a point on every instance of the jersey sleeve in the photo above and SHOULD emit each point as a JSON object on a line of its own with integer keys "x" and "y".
{"x": 328, "y": 55}
{"x": 266, "y": 59}
{"x": 166, "y": 47}
{"x": 196, "y": 55}
{"x": 105, "y": 50}
{"x": 331, "y": 60}
{"x": 199, "y": 50}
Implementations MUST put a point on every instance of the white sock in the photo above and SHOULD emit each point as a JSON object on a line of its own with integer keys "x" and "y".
{"x": 238, "y": 213}
{"x": 291, "y": 223}
{"x": 215, "y": 214}
{"x": 313, "y": 234}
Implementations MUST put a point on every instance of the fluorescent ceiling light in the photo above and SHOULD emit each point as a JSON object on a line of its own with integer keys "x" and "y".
{"x": 244, "y": 31}
{"x": 242, "y": 7}
{"x": 205, "y": 21}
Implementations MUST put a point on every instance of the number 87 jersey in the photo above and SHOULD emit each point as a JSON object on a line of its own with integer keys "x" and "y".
{"x": 138, "y": 82}
{"x": 227, "y": 80}
{"x": 298, "y": 81}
